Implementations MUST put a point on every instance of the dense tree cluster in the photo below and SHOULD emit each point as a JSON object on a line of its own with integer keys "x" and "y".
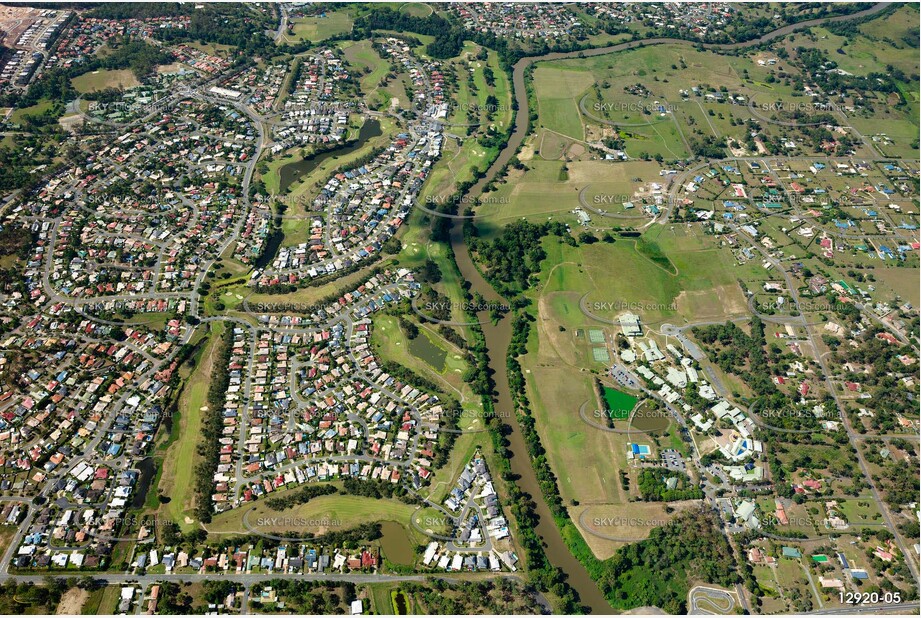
{"x": 307, "y": 597}
{"x": 652, "y": 484}
{"x": 406, "y": 375}
{"x": 17, "y": 599}
{"x": 139, "y": 10}
{"x": 819, "y": 66}
{"x": 500, "y": 596}
{"x": 515, "y": 255}
{"x": 739, "y": 353}
{"x": 302, "y": 495}
{"x": 449, "y": 38}
{"x": 174, "y": 600}
{"x": 690, "y": 548}
{"x": 236, "y": 25}
{"x": 378, "y": 489}
{"x": 409, "y": 328}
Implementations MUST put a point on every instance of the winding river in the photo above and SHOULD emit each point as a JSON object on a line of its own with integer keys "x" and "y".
{"x": 498, "y": 336}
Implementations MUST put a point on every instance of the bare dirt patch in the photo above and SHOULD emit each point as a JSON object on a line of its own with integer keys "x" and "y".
{"x": 721, "y": 302}
{"x": 72, "y": 601}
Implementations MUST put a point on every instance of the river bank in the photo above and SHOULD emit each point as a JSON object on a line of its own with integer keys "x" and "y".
{"x": 498, "y": 335}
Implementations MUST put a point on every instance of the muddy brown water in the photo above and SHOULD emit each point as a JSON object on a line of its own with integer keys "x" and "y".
{"x": 498, "y": 336}
{"x": 395, "y": 543}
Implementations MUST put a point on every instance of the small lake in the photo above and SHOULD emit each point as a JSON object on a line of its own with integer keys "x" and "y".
{"x": 147, "y": 470}
{"x": 400, "y": 603}
{"x": 648, "y": 419}
{"x": 422, "y": 347}
{"x": 290, "y": 172}
{"x": 272, "y": 244}
{"x": 395, "y": 544}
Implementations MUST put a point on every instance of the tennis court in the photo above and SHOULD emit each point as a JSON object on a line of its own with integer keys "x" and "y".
{"x": 601, "y": 355}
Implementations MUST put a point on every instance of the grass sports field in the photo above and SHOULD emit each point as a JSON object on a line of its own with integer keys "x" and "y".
{"x": 102, "y": 79}
{"x": 318, "y": 27}
{"x": 619, "y": 403}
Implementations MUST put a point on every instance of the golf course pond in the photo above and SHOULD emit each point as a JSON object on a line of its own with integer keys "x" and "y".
{"x": 395, "y": 544}
{"x": 400, "y": 602}
{"x": 423, "y": 348}
{"x": 290, "y": 172}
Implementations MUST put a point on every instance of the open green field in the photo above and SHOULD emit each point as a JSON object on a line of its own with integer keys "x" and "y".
{"x": 296, "y": 231}
{"x": 469, "y": 97}
{"x": 866, "y": 54}
{"x": 901, "y": 131}
{"x": 18, "y": 115}
{"x": 538, "y": 193}
{"x": 102, "y": 79}
{"x": 317, "y": 28}
{"x": 304, "y": 296}
{"x": 272, "y": 176}
{"x": 646, "y": 92}
{"x": 6, "y": 537}
{"x": 456, "y": 165}
{"x": 558, "y": 91}
{"x": 101, "y": 601}
{"x": 859, "y": 511}
{"x": 902, "y": 281}
{"x": 213, "y": 49}
{"x": 619, "y": 403}
{"x": 614, "y": 274}
{"x": 770, "y": 599}
{"x": 628, "y": 88}
{"x": 334, "y": 512}
{"x": 417, "y": 9}
{"x": 696, "y": 284}
{"x": 362, "y": 56}
{"x": 535, "y": 195}
{"x": 417, "y": 247}
{"x": 901, "y": 23}
{"x": 557, "y": 388}
{"x": 379, "y": 594}
{"x": 466, "y": 445}
{"x": 630, "y": 522}
{"x": 151, "y": 321}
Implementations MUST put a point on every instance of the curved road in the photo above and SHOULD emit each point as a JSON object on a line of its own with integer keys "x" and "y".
{"x": 521, "y": 96}
{"x": 498, "y": 335}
